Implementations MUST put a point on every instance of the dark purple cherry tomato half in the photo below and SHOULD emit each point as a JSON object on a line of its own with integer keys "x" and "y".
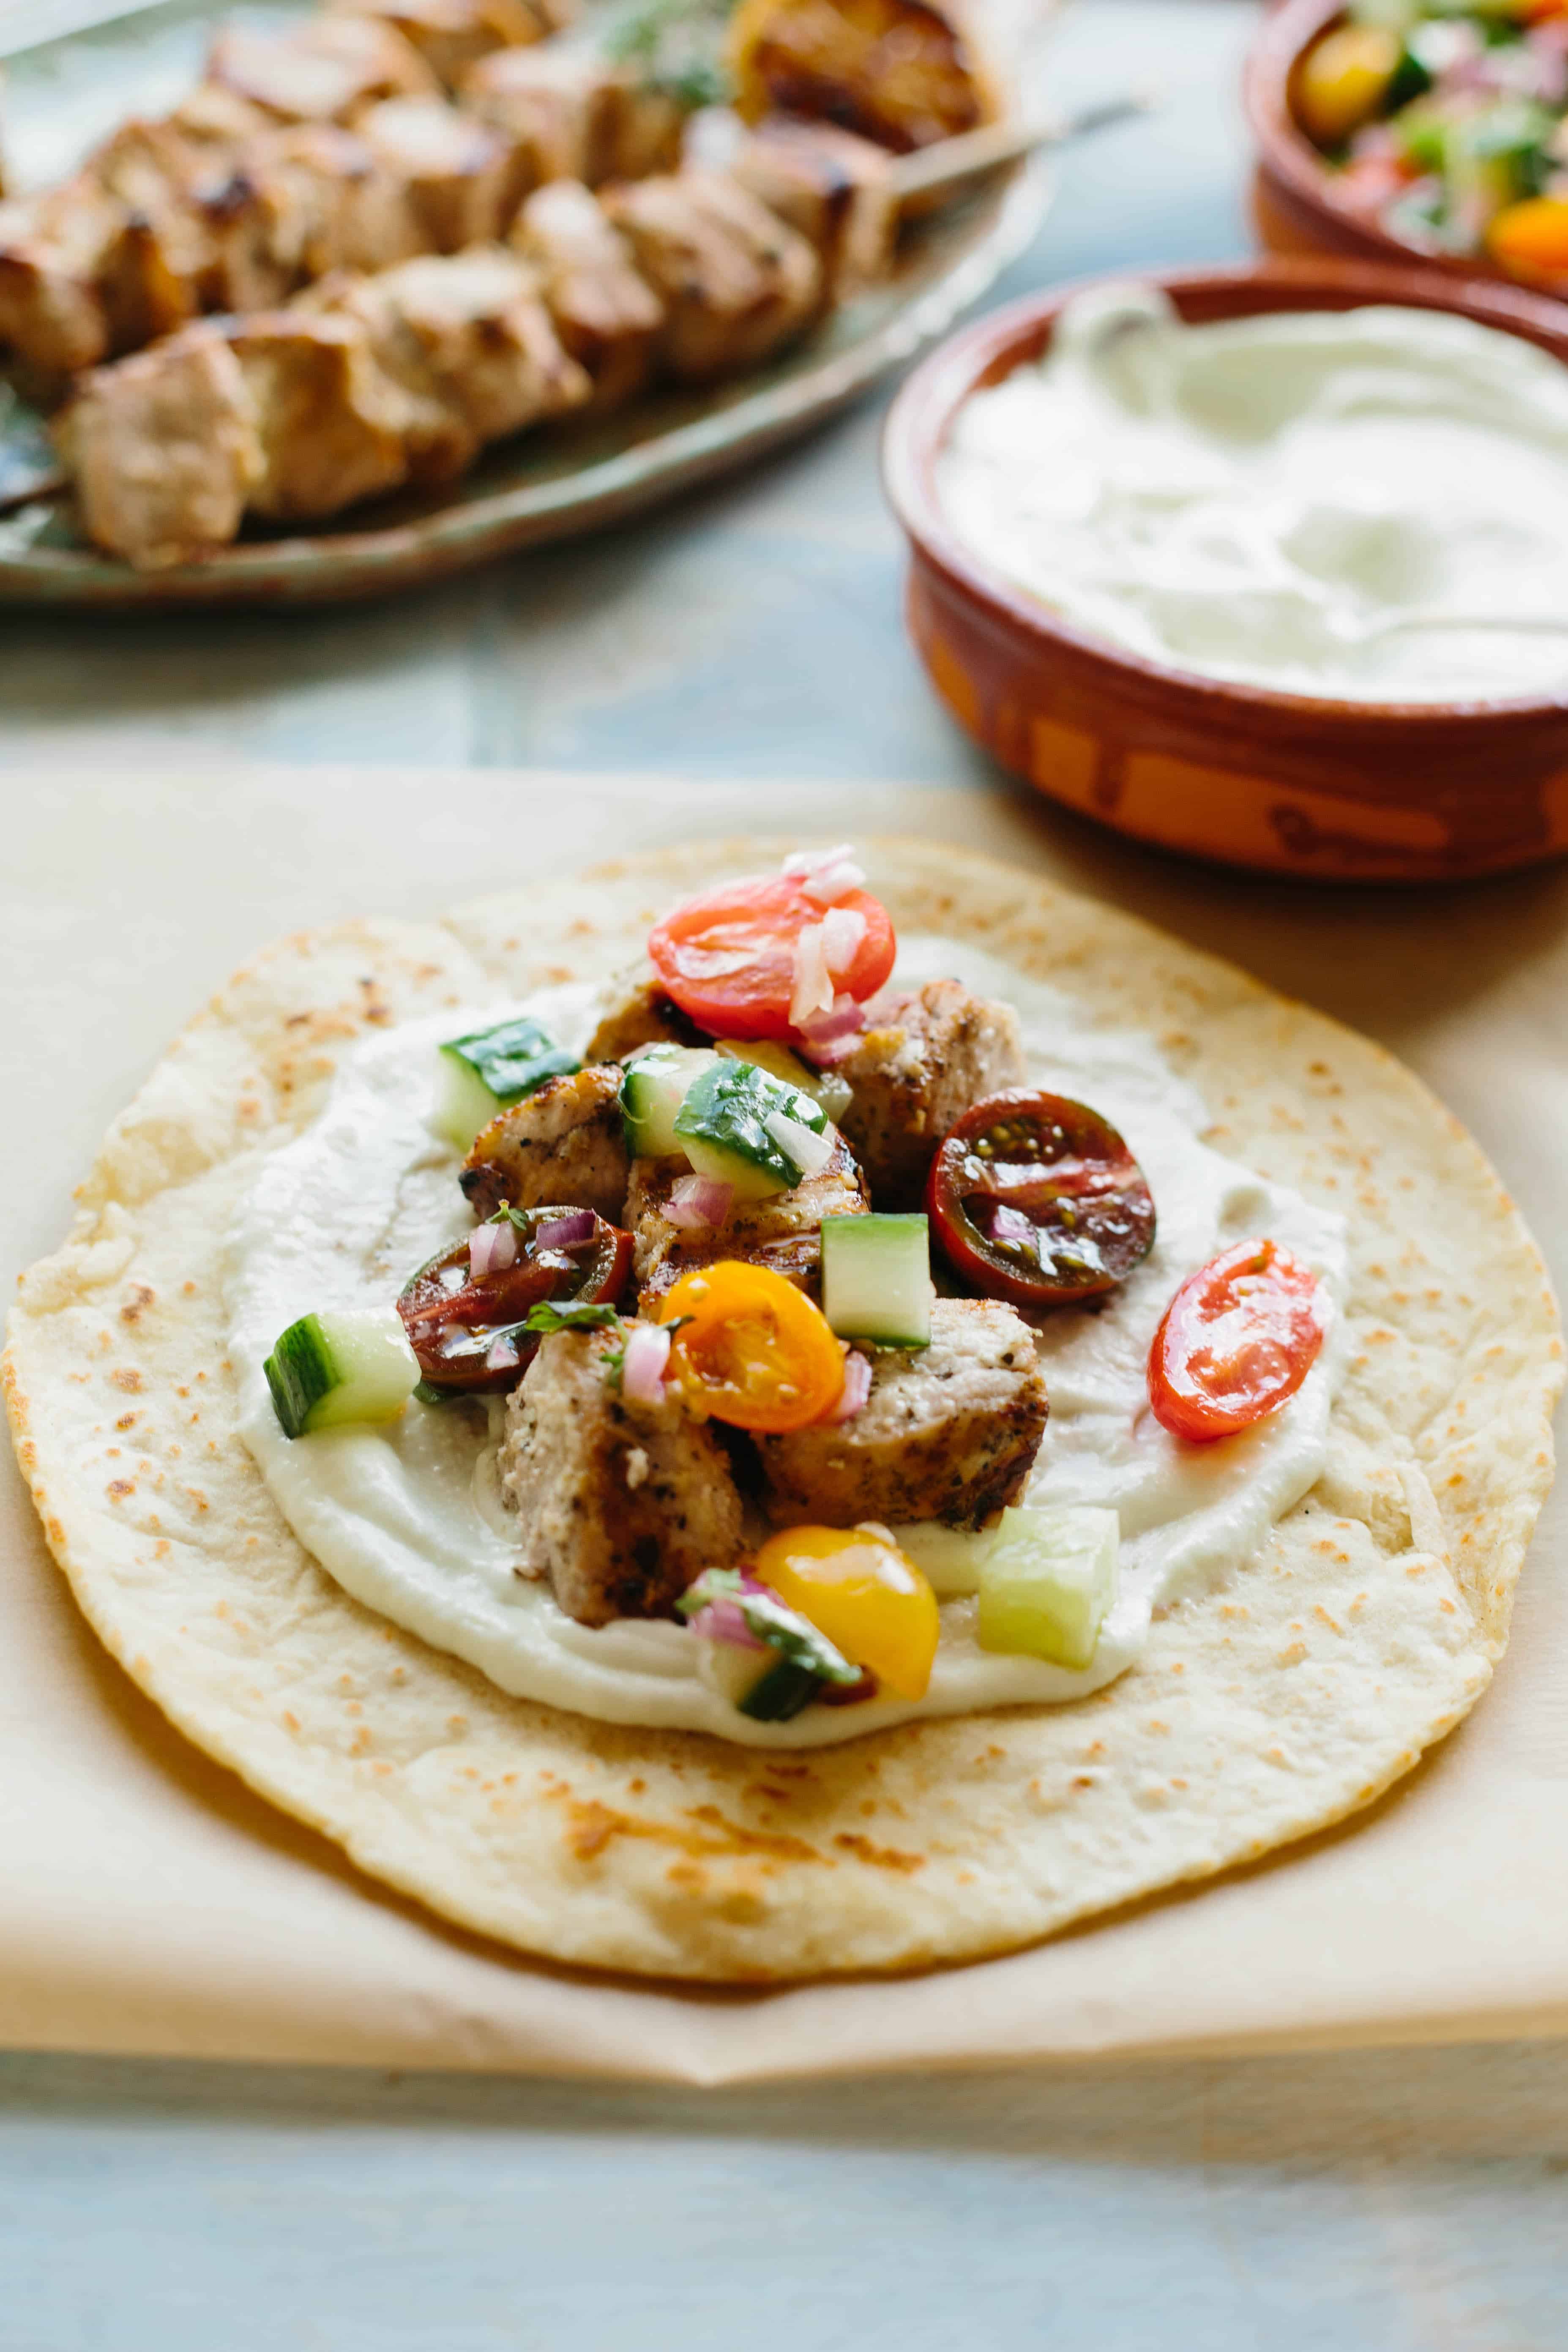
{"x": 1037, "y": 1199}
{"x": 462, "y": 1324}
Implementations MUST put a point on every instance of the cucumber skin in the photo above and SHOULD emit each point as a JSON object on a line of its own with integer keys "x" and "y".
{"x": 490, "y": 1069}
{"x": 319, "y": 1379}
{"x": 780, "y": 1692}
{"x": 724, "y": 1112}
{"x": 855, "y": 1251}
{"x": 649, "y": 1104}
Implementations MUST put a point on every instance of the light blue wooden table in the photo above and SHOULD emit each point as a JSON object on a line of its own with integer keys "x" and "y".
{"x": 1394, "y": 2202}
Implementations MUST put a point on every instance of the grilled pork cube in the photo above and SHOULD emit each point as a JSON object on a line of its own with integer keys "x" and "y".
{"x": 784, "y": 1231}
{"x": 356, "y": 209}
{"x": 737, "y": 281}
{"x": 468, "y": 339}
{"x": 605, "y": 312}
{"x": 52, "y": 247}
{"x": 622, "y": 1505}
{"x": 164, "y": 450}
{"x": 639, "y": 1014}
{"x": 901, "y": 73}
{"x": 461, "y": 176}
{"x": 331, "y": 424}
{"x": 453, "y": 35}
{"x": 213, "y": 117}
{"x": 836, "y": 189}
{"x": 562, "y": 1146}
{"x": 918, "y": 1071}
{"x": 948, "y": 1432}
{"x": 574, "y": 117}
{"x": 324, "y": 71}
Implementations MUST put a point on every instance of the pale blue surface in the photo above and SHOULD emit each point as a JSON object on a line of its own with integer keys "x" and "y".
{"x": 1404, "y": 2203}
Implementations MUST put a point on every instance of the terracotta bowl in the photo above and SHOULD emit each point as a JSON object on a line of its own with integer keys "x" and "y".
{"x": 1297, "y": 205}
{"x": 1298, "y": 784}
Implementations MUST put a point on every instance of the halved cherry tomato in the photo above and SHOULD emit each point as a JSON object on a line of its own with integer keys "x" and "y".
{"x": 857, "y": 1587}
{"x": 755, "y": 1351}
{"x": 728, "y": 956}
{"x": 1530, "y": 240}
{"x": 1239, "y": 1338}
{"x": 1037, "y": 1199}
{"x": 463, "y": 1329}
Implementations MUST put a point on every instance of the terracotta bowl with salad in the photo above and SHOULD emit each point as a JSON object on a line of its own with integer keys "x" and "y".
{"x": 1398, "y": 128}
{"x": 1262, "y": 563}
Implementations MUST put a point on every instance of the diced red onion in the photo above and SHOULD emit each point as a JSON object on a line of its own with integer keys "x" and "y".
{"x": 723, "y": 1621}
{"x": 828, "y": 1037}
{"x": 566, "y": 1232}
{"x": 1009, "y": 1225}
{"x": 642, "y": 1366}
{"x": 699, "y": 1201}
{"x": 501, "y": 1355}
{"x": 857, "y": 1388}
{"x": 842, "y": 932}
{"x": 810, "y": 1151}
{"x": 813, "y": 990}
{"x": 491, "y": 1248}
{"x": 826, "y": 875}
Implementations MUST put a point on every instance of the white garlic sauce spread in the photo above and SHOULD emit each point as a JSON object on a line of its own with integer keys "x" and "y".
{"x": 409, "y": 1519}
{"x": 1370, "y": 504}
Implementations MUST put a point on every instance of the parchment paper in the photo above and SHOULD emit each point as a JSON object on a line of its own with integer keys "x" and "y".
{"x": 149, "y": 1903}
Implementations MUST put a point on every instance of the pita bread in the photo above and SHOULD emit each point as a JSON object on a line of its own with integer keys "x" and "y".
{"x": 1365, "y": 1631}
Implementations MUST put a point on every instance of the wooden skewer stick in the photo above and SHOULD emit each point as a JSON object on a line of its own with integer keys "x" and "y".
{"x": 951, "y": 160}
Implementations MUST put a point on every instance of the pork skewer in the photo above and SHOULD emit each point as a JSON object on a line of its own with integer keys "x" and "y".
{"x": 251, "y": 187}
{"x": 410, "y": 370}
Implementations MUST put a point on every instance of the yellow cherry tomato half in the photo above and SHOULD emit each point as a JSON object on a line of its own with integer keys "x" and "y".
{"x": 1341, "y": 82}
{"x": 857, "y": 1587}
{"x": 757, "y": 1352}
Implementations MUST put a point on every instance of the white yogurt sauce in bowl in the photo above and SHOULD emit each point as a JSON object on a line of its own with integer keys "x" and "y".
{"x": 408, "y": 1517}
{"x": 1367, "y": 505}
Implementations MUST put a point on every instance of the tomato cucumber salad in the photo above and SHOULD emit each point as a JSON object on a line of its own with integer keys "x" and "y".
{"x": 807, "y": 1331}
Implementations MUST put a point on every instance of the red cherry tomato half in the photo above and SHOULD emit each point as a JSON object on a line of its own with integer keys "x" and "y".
{"x": 1037, "y": 1199}
{"x": 728, "y": 958}
{"x": 463, "y": 1328}
{"x": 1239, "y": 1338}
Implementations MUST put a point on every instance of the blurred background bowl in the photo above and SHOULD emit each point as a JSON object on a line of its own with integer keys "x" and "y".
{"x": 1297, "y": 784}
{"x": 1297, "y": 204}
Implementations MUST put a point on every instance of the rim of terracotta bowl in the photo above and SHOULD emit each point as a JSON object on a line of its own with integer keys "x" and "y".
{"x": 991, "y": 347}
{"x": 1285, "y": 151}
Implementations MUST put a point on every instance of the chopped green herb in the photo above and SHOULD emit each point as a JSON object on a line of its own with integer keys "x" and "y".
{"x": 574, "y": 1316}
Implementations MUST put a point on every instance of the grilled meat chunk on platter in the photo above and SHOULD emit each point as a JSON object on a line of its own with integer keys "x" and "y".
{"x": 622, "y": 1505}
{"x": 328, "y": 420}
{"x": 837, "y": 189}
{"x": 462, "y": 177}
{"x": 572, "y": 116}
{"x": 164, "y": 449}
{"x": 782, "y": 1231}
{"x": 605, "y": 312}
{"x": 563, "y": 1143}
{"x": 736, "y": 281}
{"x": 948, "y": 1432}
{"x": 323, "y": 71}
{"x": 639, "y": 1014}
{"x": 902, "y": 73}
{"x": 916, "y": 1071}
{"x": 452, "y": 36}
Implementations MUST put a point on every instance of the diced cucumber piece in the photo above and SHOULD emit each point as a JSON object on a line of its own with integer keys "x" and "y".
{"x": 875, "y": 1280}
{"x": 950, "y": 1558}
{"x": 480, "y": 1074}
{"x": 759, "y": 1683}
{"x": 1046, "y": 1588}
{"x": 327, "y": 1370}
{"x": 723, "y": 1127}
{"x": 825, "y": 1087}
{"x": 653, "y": 1090}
